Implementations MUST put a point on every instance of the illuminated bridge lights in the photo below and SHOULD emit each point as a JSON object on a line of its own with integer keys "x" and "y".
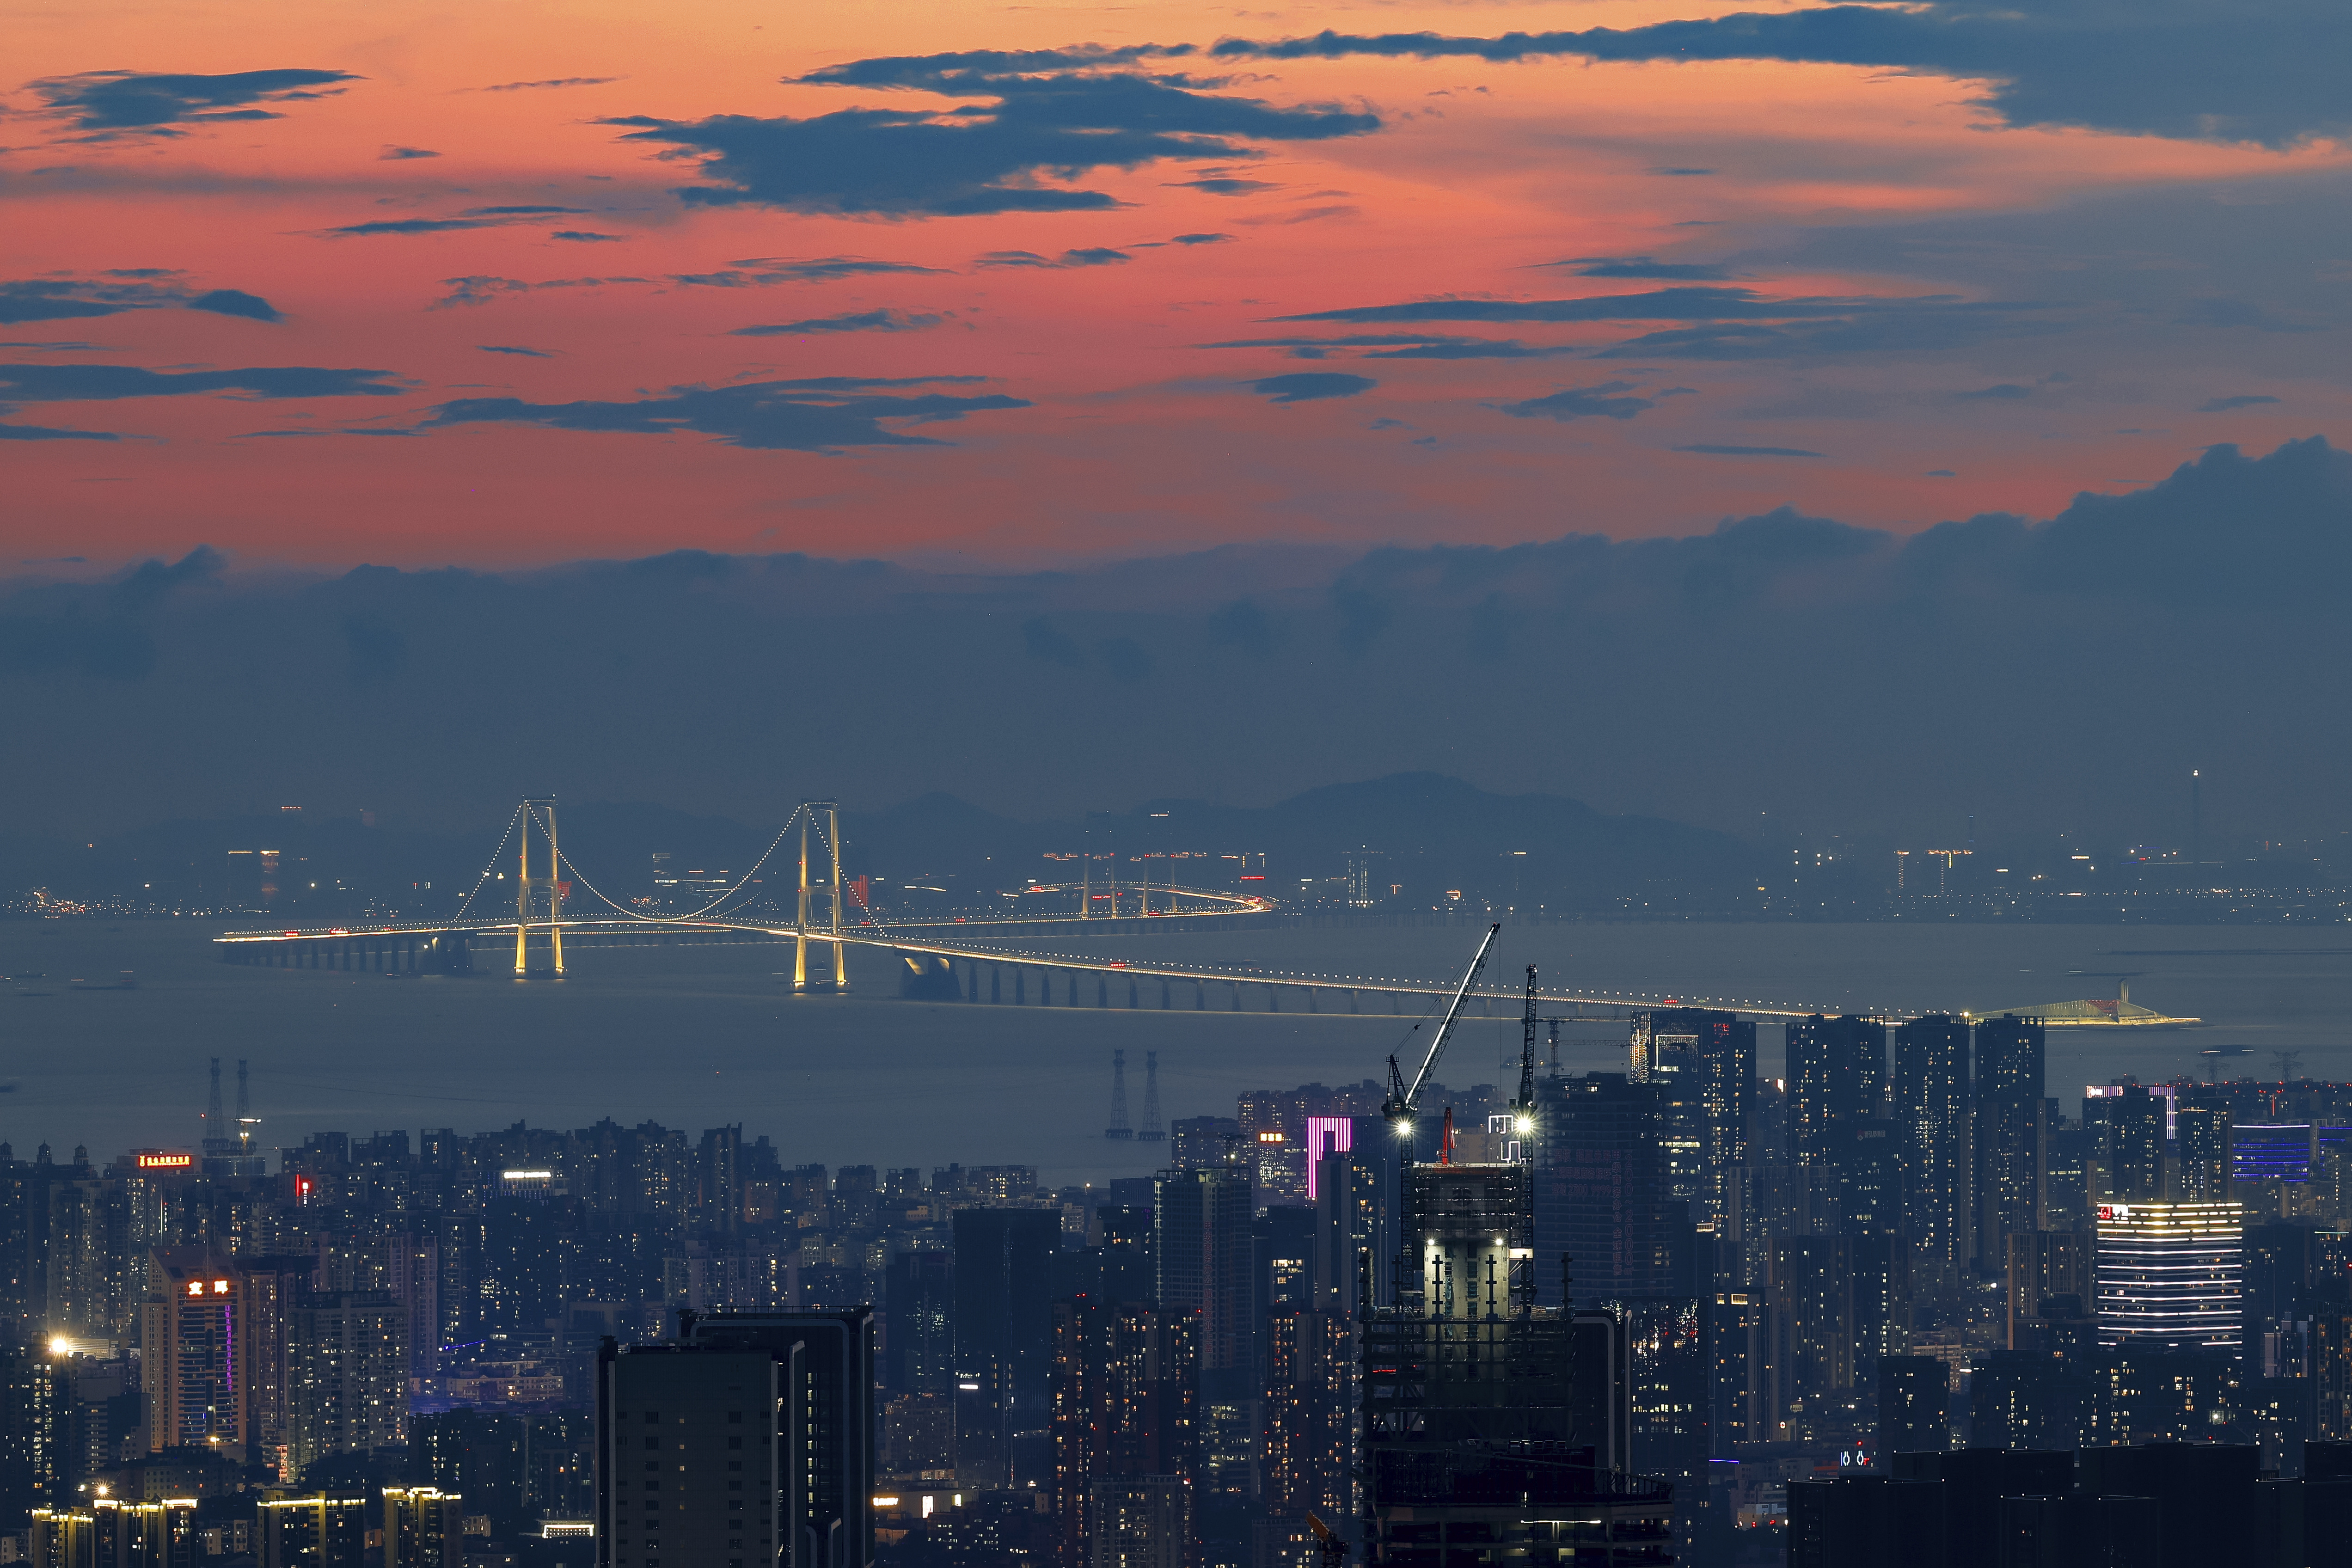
{"x": 2170, "y": 1276}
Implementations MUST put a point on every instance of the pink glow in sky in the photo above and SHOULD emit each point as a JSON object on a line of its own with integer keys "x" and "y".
{"x": 971, "y": 309}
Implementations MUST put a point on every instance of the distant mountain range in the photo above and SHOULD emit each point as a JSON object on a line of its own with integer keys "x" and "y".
{"x": 1425, "y": 833}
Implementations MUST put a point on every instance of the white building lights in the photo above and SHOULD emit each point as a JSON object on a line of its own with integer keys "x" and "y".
{"x": 2171, "y": 1276}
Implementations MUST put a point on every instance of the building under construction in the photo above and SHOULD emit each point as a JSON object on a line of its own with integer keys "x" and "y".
{"x": 1473, "y": 1455}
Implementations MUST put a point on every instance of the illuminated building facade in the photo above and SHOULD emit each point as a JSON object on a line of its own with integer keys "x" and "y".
{"x": 214, "y": 1357}
{"x": 2171, "y": 1276}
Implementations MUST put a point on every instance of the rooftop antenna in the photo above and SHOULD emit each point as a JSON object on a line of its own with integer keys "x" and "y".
{"x": 1154, "y": 1130}
{"x": 1120, "y": 1126}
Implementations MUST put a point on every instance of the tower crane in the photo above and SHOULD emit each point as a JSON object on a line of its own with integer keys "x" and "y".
{"x": 1523, "y": 1109}
{"x": 1403, "y": 1101}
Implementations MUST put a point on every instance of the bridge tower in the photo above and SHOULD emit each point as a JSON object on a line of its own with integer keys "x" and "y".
{"x": 534, "y": 894}
{"x": 825, "y": 893}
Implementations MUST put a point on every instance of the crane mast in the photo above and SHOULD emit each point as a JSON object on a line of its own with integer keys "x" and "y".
{"x": 1523, "y": 1109}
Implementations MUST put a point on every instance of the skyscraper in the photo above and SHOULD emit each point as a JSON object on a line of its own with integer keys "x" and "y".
{"x": 1003, "y": 1333}
{"x": 2203, "y": 1156}
{"x": 1309, "y": 1403}
{"x": 747, "y": 1441}
{"x": 1355, "y": 1201}
{"x": 1601, "y": 1189}
{"x": 1836, "y": 1072}
{"x": 2132, "y": 1147}
{"x": 1929, "y": 1101}
{"x": 1703, "y": 1062}
{"x": 1204, "y": 1259}
{"x": 1469, "y": 1393}
{"x": 346, "y": 1374}
{"x": 1126, "y": 1408}
{"x": 829, "y": 1449}
{"x": 2012, "y": 1137}
{"x": 2171, "y": 1276}
{"x": 214, "y": 1356}
{"x": 695, "y": 1468}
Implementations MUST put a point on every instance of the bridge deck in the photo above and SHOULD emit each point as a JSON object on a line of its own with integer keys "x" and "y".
{"x": 905, "y": 938}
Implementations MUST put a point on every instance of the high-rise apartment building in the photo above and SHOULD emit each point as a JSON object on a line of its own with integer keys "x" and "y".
{"x": 329, "y": 1530}
{"x": 830, "y": 1457}
{"x": 1203, "y": 1257}
{"x": 2134, "y": 1124}
{"x": 1309, "y": 1403}
{"x": 747, "y": 1439}
{"x": 423, "y": 1528}
{"x": 1929, "y": 1101}
{"x": 1836, "y": 1072}
{"x": 2171, "y": 1276}
{"x": 1913, "y": 1405}
{"x": 2040, "y": 1267}
{"x": 918, "y": 1306}
{"x": 2202, "y": 1154}
{"x": 1703, "y": 1063}
{"x": 346, "y": 1374}
{"x": 1355, "y": 1199}
{"x": 1126, "y": 1410}
{"x": 214, "y": 1357}
{"x": 695, "y": 1466}
{"x": 2012, "y": 1135}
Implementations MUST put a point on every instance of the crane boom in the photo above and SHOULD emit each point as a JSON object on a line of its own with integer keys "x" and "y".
{"x": 1400, "y": 1105}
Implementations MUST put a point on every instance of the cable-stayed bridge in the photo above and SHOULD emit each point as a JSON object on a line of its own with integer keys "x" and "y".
{"x": 976, "y": 959}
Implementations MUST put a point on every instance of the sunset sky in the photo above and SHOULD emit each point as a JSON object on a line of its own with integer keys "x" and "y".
{"x": 1024, "y": 284}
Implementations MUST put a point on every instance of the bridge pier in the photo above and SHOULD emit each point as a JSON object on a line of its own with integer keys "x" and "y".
{"x": 1200, "y": 995}
{"x": 1237, "y": 995}
{"x": 1163, "y": 994}
{"x": 996, "y": 983}
{"x": 1273, "y": 997}
{"x": 1312, "y": 1005}
{"x": 1102, "y": 989}
{"x": 1352, "y": 1006}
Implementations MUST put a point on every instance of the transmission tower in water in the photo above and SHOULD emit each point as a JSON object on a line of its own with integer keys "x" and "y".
{"x": 1120, "y": 1127}
{"x": 1154, "y": 1130}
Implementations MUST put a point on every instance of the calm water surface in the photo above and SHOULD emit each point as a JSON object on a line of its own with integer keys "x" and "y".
{"x": 693, "y": 1036}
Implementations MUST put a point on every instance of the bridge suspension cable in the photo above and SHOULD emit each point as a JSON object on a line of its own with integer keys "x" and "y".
{"x": 484, "y": 879}
{"x": 672, "y": 919}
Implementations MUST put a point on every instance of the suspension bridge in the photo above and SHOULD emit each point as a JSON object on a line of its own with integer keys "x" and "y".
{"x": 989, "y": 959}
